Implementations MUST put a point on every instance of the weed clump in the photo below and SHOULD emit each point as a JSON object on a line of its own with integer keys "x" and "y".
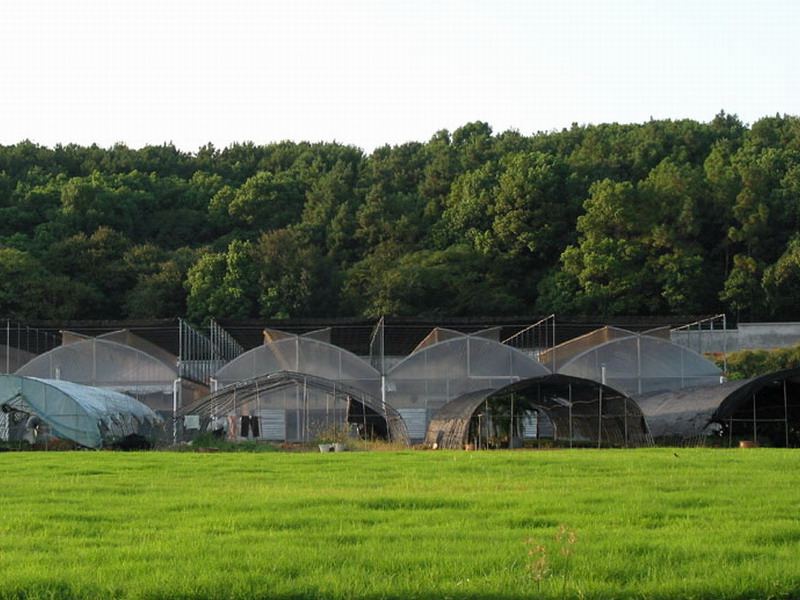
{"x": 545, "y": 562}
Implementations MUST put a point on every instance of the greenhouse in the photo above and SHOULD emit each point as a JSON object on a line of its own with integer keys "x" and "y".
{"x": 557, "y": 407}
{"x": 118, "y": 361}
{"x": 301, "y": 354}
{"x": 293, "y": 408}
{"x": 294, "y": 389}
{"x": 39, "y": 410}
{"x": 764, "y": 410}
{"x": 633, "y": 363}
{"x": 437, "y": 373}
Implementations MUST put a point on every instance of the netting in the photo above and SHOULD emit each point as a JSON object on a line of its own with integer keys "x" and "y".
{"x": 552, "y": 407}
{"x": 764, "y": 409}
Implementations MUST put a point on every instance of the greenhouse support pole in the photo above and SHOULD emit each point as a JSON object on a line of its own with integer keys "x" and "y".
{"x": 175, "y": 411}
{"x": 730, "y": 431}
{"x": 8, "y": 346}
{"x": 725, "y": 344}
{"x": 755, "y": 432}
{"x": 511, "y": 425}
{"x": 625, "y": 405}
{"x": 570, "y": 416}
{"x": 600, "y": 407}
{"x": 638, "y": 364}
{"x": 786, "y": 413}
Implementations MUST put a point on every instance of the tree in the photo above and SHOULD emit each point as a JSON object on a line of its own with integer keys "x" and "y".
{"x": 609, "y": 260}
{"x": 159, "y": 291}
{"x": 781, "y": 282}
{"x": 456, "y": 281}
{"x": 222, "y": 285}
{"x": 266, "y": 202}
{"x": 29, "y": 291}
{"x": 96, "y": 261}
{"x": 293, "y": 279}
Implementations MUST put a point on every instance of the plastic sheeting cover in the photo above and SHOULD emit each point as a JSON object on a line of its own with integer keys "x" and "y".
{"x": 302, "y": 355}
{"x": 448, "y": 369}
{"x": 639, "y": 364}
{"x": 104, "y": 363}
{"x": 77, "y": 412}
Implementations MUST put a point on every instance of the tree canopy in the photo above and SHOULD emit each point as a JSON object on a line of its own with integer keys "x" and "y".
{"x": 663, "y": 217}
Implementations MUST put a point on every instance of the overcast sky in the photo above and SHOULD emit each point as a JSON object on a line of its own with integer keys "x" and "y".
{"x": 372, "y": 72}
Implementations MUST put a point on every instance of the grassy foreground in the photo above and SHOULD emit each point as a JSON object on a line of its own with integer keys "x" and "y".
{"x": 647, "y": 524}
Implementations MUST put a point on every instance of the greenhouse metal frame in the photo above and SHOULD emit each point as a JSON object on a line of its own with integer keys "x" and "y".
{"x": 292, "y": 407}
{"x": 568, "y": 409}
{"x": 633, "y": 363}
{"x": 764, "y": 410}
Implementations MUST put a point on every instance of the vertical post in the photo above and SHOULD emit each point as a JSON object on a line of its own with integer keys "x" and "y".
{"x": 175, "y": 411}
{"x": 755, "y": 432}
{"x": 8, "y": 346}
{"x": 730, "y": 431}
{"x": 638, "y": 364}
{"x": 600, "y": 406}
{"x": 570, "y": 416}
{"x": 180, "y": 345}
{"x": 725, "y": 344}
{"x": 600, "y": 418}
{"x": 306, "y": 420}
{"x": 786, "y": 413}
{"x": 511, "y": 425}
{"x": 625, "y": 410}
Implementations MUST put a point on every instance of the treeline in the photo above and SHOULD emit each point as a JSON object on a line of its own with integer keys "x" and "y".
{"x": 664, "y": 217}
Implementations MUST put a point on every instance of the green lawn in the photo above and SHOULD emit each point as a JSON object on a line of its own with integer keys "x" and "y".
{"x": 649, "y": 524}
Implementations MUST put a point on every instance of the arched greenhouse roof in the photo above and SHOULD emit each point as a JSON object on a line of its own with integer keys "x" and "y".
{"x": 634, "y": 363}
{"x": 579, "y": 409}
{"x": 474, "y": 361}
{"x": 86, "y": 415}
{"x": 687, "y": 413}
{"x": 104, "y": 363}
{"x": 302, "y": 355}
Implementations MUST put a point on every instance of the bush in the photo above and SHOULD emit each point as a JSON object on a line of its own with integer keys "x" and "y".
{"x": 752, "y": 363}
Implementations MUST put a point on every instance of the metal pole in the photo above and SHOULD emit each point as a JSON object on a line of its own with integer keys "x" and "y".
{"x": 638, "y": 364}
{"x": 570, "y": 416}
{"x": 786, "y": 413}
{"x": 600, "y": 407}
{"x": 755, "y": 433}
{"x": 511, "y": 425}
{"x": 730, "y": 431}
{"x": 175, "y": 411}
{"x": 625, "y": 409}
{"x": 600, "y": 418}
{"x": 725, "y": 344}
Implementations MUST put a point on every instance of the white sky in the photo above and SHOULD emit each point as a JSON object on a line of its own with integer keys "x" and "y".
{"x": 370, "y": 72}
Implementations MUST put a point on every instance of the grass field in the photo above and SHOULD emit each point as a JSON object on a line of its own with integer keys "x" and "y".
{"x": 647, "y": 524}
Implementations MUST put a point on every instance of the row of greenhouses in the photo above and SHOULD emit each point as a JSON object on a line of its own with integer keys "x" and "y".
{"x": 453, "y": 389}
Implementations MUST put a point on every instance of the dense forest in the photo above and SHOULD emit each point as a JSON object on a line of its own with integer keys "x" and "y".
{"x": 664, "y": 217}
